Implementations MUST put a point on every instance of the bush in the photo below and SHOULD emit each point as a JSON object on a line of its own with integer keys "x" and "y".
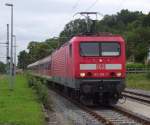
{"x": 148, "y": 65}
{"x": 136, "y": 65}
{"x": 31, "y": 81}
{"x": 148, "y": 75}
{"x": 41, "y": 90}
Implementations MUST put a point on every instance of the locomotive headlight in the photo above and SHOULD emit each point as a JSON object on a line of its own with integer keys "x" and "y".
{"x": 82, "y": 74}
{"x": 118, "y": 74}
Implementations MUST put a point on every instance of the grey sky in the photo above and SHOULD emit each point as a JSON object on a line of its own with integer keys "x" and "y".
{"x": 41, "y": 19}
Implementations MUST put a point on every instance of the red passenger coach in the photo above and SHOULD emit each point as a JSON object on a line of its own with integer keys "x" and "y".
{"x": 91, "y": 68}
{"x": 42, "y": 67}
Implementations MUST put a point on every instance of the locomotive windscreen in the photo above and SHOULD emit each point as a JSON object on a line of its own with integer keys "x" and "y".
{"x": 99, "y": 49}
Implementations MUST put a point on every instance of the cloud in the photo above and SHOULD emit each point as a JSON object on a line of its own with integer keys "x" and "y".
{"x": 40, "y": 19}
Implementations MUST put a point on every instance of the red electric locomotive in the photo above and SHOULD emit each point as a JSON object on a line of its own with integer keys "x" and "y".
{"x": 90, "y": 68}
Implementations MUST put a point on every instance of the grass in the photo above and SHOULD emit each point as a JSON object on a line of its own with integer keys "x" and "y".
{"x": 138, "y": 81}
{"x": 21, "y": 106}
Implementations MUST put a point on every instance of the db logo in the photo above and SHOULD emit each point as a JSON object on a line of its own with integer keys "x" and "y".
{"x": 100, "y": 66}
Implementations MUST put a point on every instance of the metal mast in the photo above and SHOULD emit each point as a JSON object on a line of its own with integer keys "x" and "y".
{"x": 11, "y": 49}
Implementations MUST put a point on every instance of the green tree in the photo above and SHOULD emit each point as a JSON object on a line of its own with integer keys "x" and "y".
{"x": 127, "y": 16}
{"x": 39, "y": 50}
{"x": 146, "y": 20}
{"x": 133, "y": 26}
{"x": 138, "y": 41}
{"x": 73, "y": 28}
{"x": 36, "y": 51}
{"x": 23, "y": 60}
{"x": 2, "y": 68}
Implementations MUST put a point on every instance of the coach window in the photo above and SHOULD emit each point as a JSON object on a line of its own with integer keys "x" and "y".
{"x": 49, "y": 65}
{"x": 70, "y": 50}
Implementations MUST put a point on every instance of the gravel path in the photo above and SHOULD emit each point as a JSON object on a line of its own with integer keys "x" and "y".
{"x": 66, "y": 113}
{"x": 136, "y": 107}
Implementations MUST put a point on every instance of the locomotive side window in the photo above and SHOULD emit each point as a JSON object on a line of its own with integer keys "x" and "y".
{"x": 99, "y": 49}
{"x": 89, "y": 49}
{"x": 110, "y": 49}
{"x": 70, "y": 50}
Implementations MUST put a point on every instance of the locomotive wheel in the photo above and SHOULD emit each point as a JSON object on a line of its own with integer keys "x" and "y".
{"x": 86, "y": 101}
{"x": 113, "y": 100}
{"x": 109, "y": 100}
{"x": 74, "y": 95}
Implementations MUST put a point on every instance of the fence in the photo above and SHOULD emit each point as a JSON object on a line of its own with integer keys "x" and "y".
{"x": 138, "y": 70}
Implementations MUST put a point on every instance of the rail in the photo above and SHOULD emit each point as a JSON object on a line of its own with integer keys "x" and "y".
{"x": 137, "y": 96}
{"x": 109, "y": 116}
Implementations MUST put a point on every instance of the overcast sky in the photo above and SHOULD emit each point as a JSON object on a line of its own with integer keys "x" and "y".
{"x": 37, "y": 20}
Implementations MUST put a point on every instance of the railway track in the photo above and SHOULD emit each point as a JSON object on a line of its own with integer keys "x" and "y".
{"x": 110, "y": 115}
{"x": 116, "y": 116}
{"x": 137, "y": 96}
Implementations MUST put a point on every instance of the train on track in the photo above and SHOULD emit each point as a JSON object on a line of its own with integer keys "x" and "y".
{"x": 90, "y": 68}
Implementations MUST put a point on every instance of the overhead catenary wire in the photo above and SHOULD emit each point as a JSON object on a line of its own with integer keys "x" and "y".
{"x": 93, "y": 4}
{"x": 72, "y": 12}
{"x": 2, "y": 32}
{"x": 3, "y": 46}
{"x": 121, "y": 3}
{"x": 74, "y": 8}
{"x": 3, "y": 43}
{"x": 75, "y": 5}
{"x": 71, "y": 16}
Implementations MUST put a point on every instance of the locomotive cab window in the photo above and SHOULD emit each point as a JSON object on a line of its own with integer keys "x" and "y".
{"x": 110, "y": 49}
{"x": 99, "y": 49}
{"x": 89, "y": 49}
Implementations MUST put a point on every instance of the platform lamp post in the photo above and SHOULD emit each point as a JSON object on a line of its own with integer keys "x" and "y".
{"x": 11, "y": 48}
{"x": 14, "y": 36}
{"x": 7, "y": 58}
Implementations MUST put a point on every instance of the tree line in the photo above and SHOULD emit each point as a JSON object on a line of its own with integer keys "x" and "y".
{"x": 2, "y": 68}
{"x": 133, "y": 26}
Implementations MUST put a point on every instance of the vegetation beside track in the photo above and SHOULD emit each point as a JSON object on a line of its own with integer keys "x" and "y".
{"x": 136, "y": 66}
{"x": 39, "y": 85}
{"x": 138, "y": 81}
{"x": 20, "y": 106}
